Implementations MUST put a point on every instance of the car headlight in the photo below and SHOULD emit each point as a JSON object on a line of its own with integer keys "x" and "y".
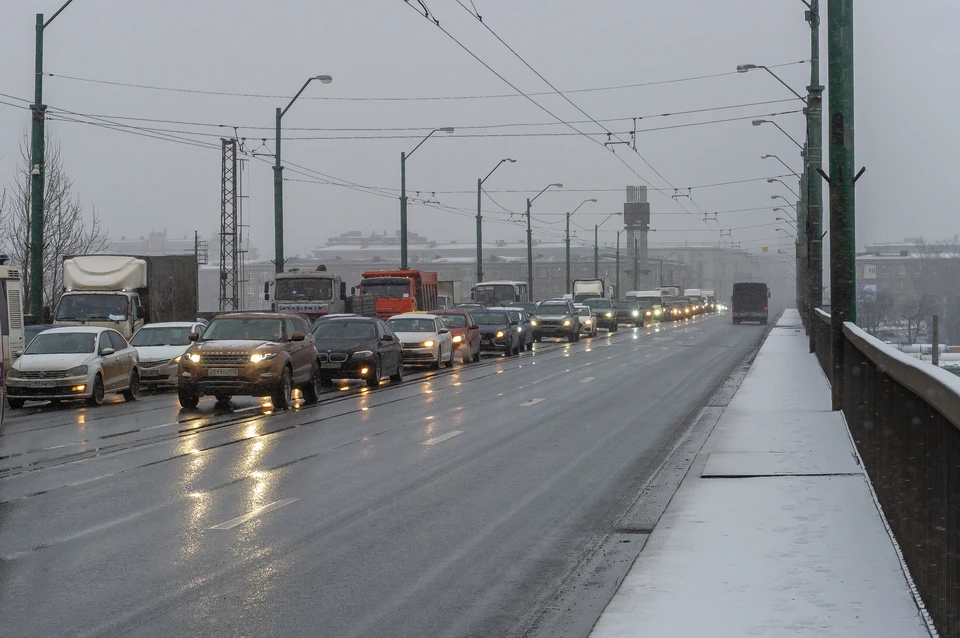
{"x": 13, "y": 373}
{"x": 608, "y": 314}
{"x": 533, "y": 323}
{"x": 587, "y": 322}
{"x": 76, "y": 371}
{"x": 566, "y": 322}
{"x": 176, "y": 359}
{"x": 194, "y": 357}
{"x": 257, "y": 357}
{"x": 500, "y": 334}
{"x": 656, "y": 312}
{"x": 457, "y": 338}
{"x": 362, "y": 354}
{"x": 429, "y": 343}
{"x": 635, "y": 313}
{"x": 649, "y": 313}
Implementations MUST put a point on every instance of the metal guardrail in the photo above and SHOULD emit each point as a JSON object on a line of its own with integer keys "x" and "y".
{"x": 904, "y": 416}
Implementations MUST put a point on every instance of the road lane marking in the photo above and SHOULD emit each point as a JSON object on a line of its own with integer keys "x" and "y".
{"x": 233, "y": 522}
{"x": 531, "y": 402}
{"x": 587, "y": 379}
{"x": 442, "y": 437}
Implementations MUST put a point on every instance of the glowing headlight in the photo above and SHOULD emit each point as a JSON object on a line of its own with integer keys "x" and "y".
{"x": 533, "y": 323}
{"x": 648, "y": 313}
{"x": 194, "y": 357}
{"x": 566, "y": 322}
{"x": 428, "y": 344}
{"x": 657, "y": 312}
{"x": 635, "y": 313}
{"x": 587, "y": 322}
{"x": 257, "y": 357}
{"x": 608, "y": 314}
{"x": 176, "y": 359}
{"x": 457, "y": 338}
{"x": 500, "y": 334}
{"x": 519, "y": 329}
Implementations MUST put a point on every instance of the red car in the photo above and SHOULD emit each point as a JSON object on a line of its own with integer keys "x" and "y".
{"x": 464, "y": 330}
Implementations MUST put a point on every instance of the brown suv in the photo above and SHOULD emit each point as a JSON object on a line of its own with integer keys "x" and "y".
{"x": 253, "y": 354}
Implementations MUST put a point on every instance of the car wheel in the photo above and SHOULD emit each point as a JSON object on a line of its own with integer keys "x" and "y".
{"x": 311, "y": 389}
{"x": 222, "y": 399}
{"x": 616, "y": 327}
{"x": 16, "y": 404}
{"x": 436, "y": 364}
{"x": 96, "y": 396}
{"x": 529, "y": 346}
{"x": 133, "y": 390}
{"x": 283, "y": 395}
{"x": 397, "y": 377}
{"x": 373, "y": 381}
{"x": 187, "y": 400}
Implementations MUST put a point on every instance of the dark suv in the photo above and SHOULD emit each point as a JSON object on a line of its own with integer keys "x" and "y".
{"x": 606, "y": 313}
{"x": 557, "y": 318}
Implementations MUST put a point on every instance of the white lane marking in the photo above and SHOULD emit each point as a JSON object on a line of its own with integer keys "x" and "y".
{"x": 623, "y": 365}
{"x": 587, "y": 379}
{"x": 233, "y": 522}
{"x": 442, "y": 437}
{"x": 162, "y": 425}
{"x": 531, "y": 402}
{"x": 248, "y": 409}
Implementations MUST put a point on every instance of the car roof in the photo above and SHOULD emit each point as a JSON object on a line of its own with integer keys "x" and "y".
{"x": 451, "y": 311}
{"x": 414, "y": 315}
{"x": 171, "y": 324}
{"x": 517, "y": 308}
{"x": 74, "y": 329}
{"x": 351, "y": 318}
{"x": 255, "y": 315}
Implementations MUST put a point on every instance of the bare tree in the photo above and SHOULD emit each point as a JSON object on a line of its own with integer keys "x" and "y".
{"x": 873, "y": 309}
{"x": 66, "y": 231}
{"x": 916, "y": 311}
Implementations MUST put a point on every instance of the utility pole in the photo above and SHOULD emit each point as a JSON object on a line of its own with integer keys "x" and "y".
{"x": 229, "y": 227}
{"x": 801, "y": 247}
{"x": 596, "y": 251}
{"x": 403, "y": 192}
{"x": 37, "y": 170}
{"x": 843, "y": 302}
{"x": 479, "y": 216}
{"x": 567, "y": 241}
{"x": 636, "y": 275}
{"x": 814, "y": 161}
{"x": 617, "y": 289}
{"x": 935, "y": 330}
{"x": 529, "y": 253}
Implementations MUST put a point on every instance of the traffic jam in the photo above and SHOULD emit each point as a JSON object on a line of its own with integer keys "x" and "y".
{"x": 118, "y": 329}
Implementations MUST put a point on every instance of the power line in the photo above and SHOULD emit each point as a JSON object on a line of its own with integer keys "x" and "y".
{"x": 399, "y": 98}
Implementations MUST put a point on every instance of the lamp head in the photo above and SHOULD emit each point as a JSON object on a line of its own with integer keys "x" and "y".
{"x": 557, "y": 185}
{"x": 325, "y": 79}
{"x": 446, "y": 129}
{"x": 758, "y": 122}
{"x": 511, "y": 160}
{"x": 743, "y": 68}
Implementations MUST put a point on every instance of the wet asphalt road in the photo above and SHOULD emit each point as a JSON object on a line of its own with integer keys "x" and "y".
{"x": 449, "y": 505}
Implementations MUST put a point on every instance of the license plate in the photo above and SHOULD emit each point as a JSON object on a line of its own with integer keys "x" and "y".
{"x": 43, "y": 384}
{"x": 222, "y": 372}
{"x": 147, "y": 374}
{"x": 330, "y": 366}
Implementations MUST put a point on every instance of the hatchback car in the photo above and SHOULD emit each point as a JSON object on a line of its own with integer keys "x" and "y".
{"x": 424, "y": 339}
{"x": 627, "y": 311}
{"x": 253, "y": 354}
{"x": 498, "y": 333}
{"x": 357, "y": 348}
{"x": 605, "y": 312}
{"x": 74, "y": 363}
{"x": 464, "y": 332}
{"x": 557, "y": 318}
{"x": 524, "y": 326}
{"x": 160, "y": 346}
{"x": 588, "y": 320}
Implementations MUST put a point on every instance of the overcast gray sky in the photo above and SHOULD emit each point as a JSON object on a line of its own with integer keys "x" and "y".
{"x": 906, "y": 127}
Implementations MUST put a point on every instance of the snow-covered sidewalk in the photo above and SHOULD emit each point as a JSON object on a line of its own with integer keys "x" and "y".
{"x": 774, "y": 531}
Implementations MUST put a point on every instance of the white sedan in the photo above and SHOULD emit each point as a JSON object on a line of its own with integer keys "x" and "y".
{"x": 78, "y": 362}
{"x": 424, "y": 339}
{"x": 160, "y": 346}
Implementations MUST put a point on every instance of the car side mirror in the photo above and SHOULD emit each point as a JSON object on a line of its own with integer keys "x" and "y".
{"x": 106, "y": 351}
{"x": 513, "y": 323}
{"x": 194, "y": 336}
{"x": 386, "y": 338}
{"x": 768, "y": 294}
{"x": 474, "y": 327}
{"x": 444, "y": 331}
{"x": 297, "y": 336}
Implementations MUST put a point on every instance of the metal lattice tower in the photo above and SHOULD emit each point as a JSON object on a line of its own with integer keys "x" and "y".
{"x": 229, "y": 229}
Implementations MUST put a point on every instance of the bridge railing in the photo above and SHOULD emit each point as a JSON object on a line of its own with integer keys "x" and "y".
{"x": 904, "y": 416}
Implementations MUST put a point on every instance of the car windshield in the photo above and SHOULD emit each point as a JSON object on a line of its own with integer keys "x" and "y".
{"x": 259, "y": 329}
{"x": 344, "y": 330}
{"x": 495, "y": 294}
{"x": 627, "y": 305}
{"x": 169, "y": 336}
{"x": 304, "y": 288}
{"x": 62, "y": 343}
{"x": 392, "y": 289}
{"x": 454, "y": 321}
{"x": 598, "y": 303}
{"x": 81, "y": 307}
{"x": 647, "y": 302}
{"x": 490, "y": 318}
{"x": 514, "y": 315}
{"x": 529, "y": 306}
{"x": 411, "y": 324}
{"x": 583, "y": 312}
{"x": 552, "y": 309}
{"x": 29, "y": 332}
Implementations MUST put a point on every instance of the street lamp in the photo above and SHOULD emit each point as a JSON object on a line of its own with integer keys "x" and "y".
{"x": 530, "y": 240}
{"x": 785, "y": 212}
{"x": 480, "y": 218}
{"x": 743, "y": 68}
{"x": 782, "y": 162}
{"x": 771, "y": 180}
{"x": 37, "y": 154}
{"x": 278, "y": 178}
{"x": 784, "y": 230}
{"x": 596, "y": 245}
{"x": 789, "y": 221}
{"x": 403, "y": 193}
{"x": 793, "y": 206}
{"x": 759, "y": 122}
{"x": 567, "y": 239}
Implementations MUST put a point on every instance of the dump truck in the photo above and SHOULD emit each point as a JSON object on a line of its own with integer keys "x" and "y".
{"x": 313, "y": 294}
